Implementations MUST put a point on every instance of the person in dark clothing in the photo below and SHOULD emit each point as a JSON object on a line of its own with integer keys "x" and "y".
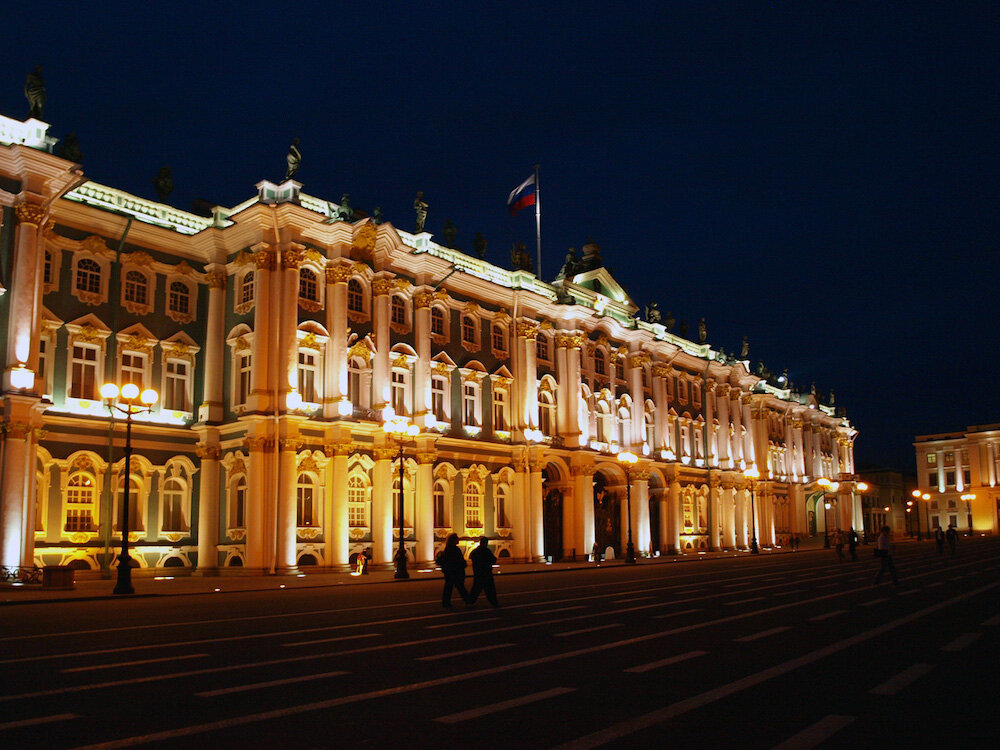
{"x": 852, "y": 543}
{"x": 452, "y": 564}
{"x": 883, "y": 552}
{"x": 951, "y": 536}
{"x": 939, "y": 540}
{"x": 483, "y": 561}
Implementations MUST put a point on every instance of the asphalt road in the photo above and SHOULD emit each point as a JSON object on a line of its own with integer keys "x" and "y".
{"x": 789, "y": 651}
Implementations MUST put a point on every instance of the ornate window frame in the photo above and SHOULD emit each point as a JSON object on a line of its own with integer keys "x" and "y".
{"x": 444, "y": 336}
{"x": 364, "y": 314}
{"x": 240, "y": 343}
{"x": 138, "y": 264}
{"x": 310, "y": 288}
{"x": 180, "y": 470}
{"x": 400, "y": 307}
{"x": 93, "y": 249}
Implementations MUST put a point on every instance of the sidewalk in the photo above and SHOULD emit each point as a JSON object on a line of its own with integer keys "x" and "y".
{"x": 165, "y": 582}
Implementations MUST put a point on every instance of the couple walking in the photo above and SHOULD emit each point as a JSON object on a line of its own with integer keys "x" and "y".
{"x": 452, "y": 564}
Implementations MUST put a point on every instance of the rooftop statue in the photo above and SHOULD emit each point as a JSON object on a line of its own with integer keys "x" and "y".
{"x": 294, "y": 159}
{"x": 449, "y": 231}
{"x": 668, "y": 322}
{"x": 682, "y": 330}
{"x": 163, "y": 184}
{"x": 420, "y": 206}
{"x": 652, "y": 313}
{"x": 34, "y": 92}
{"x": 479, "y": 245}
{"x": 377, "y": 216}
{"x": 520, "y": 258}
{"x": 745, "y": 349}
{"x": 702, "y": 332}
{"x": 571, "y": 266}
{"x": 69, "y": 149}
{"x": 345, "y": 212}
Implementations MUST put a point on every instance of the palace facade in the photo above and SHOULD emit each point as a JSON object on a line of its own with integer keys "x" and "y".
{"x": 281, "y": 333}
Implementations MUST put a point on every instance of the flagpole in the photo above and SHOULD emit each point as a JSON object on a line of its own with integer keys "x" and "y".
{"x": 538, "y": 224}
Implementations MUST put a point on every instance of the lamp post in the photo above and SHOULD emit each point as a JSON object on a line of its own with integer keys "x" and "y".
{"x": 827, "y": 485}
{"x": 399, "y": 428}
{"x": 753, "y": 474}
{"x": 918, "y": 496}
{"x": 968, "y": 508}
{"x": 125, "y": 400}
{"x": 628, "y": 460}
{"x": 909, "y": 524}
{"x": 861, "y": 487}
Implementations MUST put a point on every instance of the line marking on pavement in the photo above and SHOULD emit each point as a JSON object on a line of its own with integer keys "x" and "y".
{"x": 653, "y": 718}
{"x": 589, "y": 630}
{"x": 132, "y": 663}
{"x": 40, "y": 720}
{"x": 816, "y": 734}
{"x": 633, "y": 599}
{"x": 464, "y": 652}
{"x": 675, "y": 614}
{"x": 789, "y": 593}
{"x": 493, "y": 708}
{"x": 461, "y": 622}
{"x": 894, "y": 684}
{"x": 995, "y": 620}
{"x": 590, "y": 741}
{"x": 559, "y": 609}
{"x": 744, "y": 601}
{"x": 873, "y": 602}
{"x": 827, "y": 585}
{"x": 664, "y": 662}
{"x": 762, "y": 634}
{"x": 961, "y": 642}
{"x": 908, "y": 592}
{"x": 270, "y": 683}
{"x": 932, "y": 585}
{"x": 827, "y": 615}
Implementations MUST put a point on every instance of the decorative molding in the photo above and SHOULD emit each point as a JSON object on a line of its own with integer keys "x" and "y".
{"x": 252, "y": 444}
{"x": 290, "y": 444}
{"x": 341, "y": 448}
{"x": 138, "y": 258}
{"x": 95, "y": 245}
{"x": 208, "y": 452}
{"x": 384, "y": 454}
{"x": 364, "y": 238}
{"x": 265, "y": 260}
{"x": 382, "y": 287}
{"x": 360, "y": 349}
{"x": 527, "y": 329}
{"x": 338, "y": 274}
{"x": 423, "y": 459}
{"x": 216, "y": 279}
{"x": 639, "y": 359}
{"x": 293, "y": 257}
{"x": 30, "y": 213}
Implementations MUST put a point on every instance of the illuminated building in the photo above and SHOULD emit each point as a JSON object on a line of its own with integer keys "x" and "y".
{"x": 951, "y": 467}
{"x": 281, "y": 338}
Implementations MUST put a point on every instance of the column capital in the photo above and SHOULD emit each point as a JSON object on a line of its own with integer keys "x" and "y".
{"x": 216, "y": 279}
{"x": 208, "y": 452}
{"x": 384, "y": 454}
{"x": 30, "y": 213}
{"x": 265, "y": 260}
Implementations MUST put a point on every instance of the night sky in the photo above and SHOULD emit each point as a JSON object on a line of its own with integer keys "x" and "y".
{"x": 821, "y": 177}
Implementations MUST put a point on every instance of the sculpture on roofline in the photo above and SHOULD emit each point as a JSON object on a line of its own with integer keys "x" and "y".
{"x": 745, "y": 349}
{"x": 702, "y": 332}
{"x": 69, "y": 149}
{"x": 294, "y": 159}
{"x": 34, "y": 92}
{"x": 449, "y": 231}
{"x": 345, "y": 212}
{"x": 420, "y": 206}
{"x": 479, "y": 245}
{"x": 377, "y": 216}
{"x": 163, "y": 184}
{"x": 520, "y": 258}
{"x": 682, "y": 329}
{"x": 652, "y": 312}
{"x": 571, "y": 266}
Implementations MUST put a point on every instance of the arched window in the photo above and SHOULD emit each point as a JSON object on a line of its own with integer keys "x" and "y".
{"x": 304, "y": 508}
{"x": 308, "y": 288}
{"x": 136, "y": 288}
{"x": 437, "y": 321}
{"x": 500, "y": 497}
{"x": 398, "y": 311}
{"x": 88, "y": 276}
{"x": 468, "y": 330}
{"x": 179, "y": 299}
{"x": 440, "y": 507}
{"x": 309, "y": 375}
{"x": 355, "y": 296}
{"x": 134, "y": 504}
{"x": 238, "y": 509}
{"x": 473, "y": 497}
{"x": 81, "y": 491}
{"x": 499, "y": 339}
{"x": 357, "y": 501}
{"x": 546, "y": 414}
{"x": 173, "y": 505}
{"x": 247, "y": 288}
{"x": 600, "y": 363}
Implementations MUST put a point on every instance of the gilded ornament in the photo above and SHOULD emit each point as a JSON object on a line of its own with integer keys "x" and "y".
{"x": 88, "y": 335}
{"x": 472, "y": 376}
{"x": 292, "y": 258}
{"x": 442, "y": 368}
{"x": 264, "y": 260}
{"x": 308, "y": 463}
{"x": 424, "y": 459}
{"x": 17, "y": 430}
{"x": 361, "y": 350}
{"x": 401, "y": 284}
{"x": 30, "y": 213}
{"x": 309, "y": 341}
{"x": 216, "y": 279}
{"x": 136, "y": 343}
{"x": 382, "y": 287}
{"x": 401, "y": 362}
{"x": 364, "y": 238}
{"x": 290, "y": 444}
{"x": 242, "y": 344}
{"x": 545, "y": 325}
{"x": 94, "y": 245}
{"x": 640, "y": 360}
{"x": 527, "y": 329}
{"x": 207, "y": 452}
{"x": 314, "y": 255}
{"x": 338, "y": 274}
{"x": 422, "y": 299}
{"x": 383, "y": 454}
{"x": 138, "y": 258}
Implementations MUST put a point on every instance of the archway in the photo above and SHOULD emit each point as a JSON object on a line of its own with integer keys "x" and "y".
{"x": 607, "y": 515}
{"x": 552, "y": 521}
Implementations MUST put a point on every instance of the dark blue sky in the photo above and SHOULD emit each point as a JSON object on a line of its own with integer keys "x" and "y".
{"x": 821, "y": 177}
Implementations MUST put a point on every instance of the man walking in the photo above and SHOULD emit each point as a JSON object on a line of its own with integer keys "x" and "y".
{"x": 452, "y": 564}
{"x": 852, "y": 543}
{"x": 883, "y": 551}
{"x": 483, "y": 561}
{"x": 952, "y": 537}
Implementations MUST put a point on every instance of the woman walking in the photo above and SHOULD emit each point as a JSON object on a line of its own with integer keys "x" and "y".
{"x": 452, "y": 564}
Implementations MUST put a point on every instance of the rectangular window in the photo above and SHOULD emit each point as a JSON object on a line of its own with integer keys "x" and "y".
{"x": 84, "y": 372}
{"x": 175, "y": 395}
{"x": 133, "y": 369}
{"x": 499, "y": 410}
{"x": 42, "y": 382}
{"x": 437, "y": 398}
{"x": 308, "y": 371}
{"x": 399, "y": 392}
{"x": 932, "y": 458}
{"x": 243, "y": 382}
{"x": 932, "y": 479}
{"x": 966, "y": 477}
{"x": 949, "y": 478}
{"x": 469, "y": 404}
{"x": 542, "y": 347}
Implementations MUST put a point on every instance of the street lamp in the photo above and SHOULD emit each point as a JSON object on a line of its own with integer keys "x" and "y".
{"x": 861, "y": 487}
{"x": 753, "y": 474}
{"x": 399, "y": 428}
{"x": 918, "y": 496}
{"x": 125, "y": 400}
{"x": 628, "y": 460}
{"x": 827, "y": 485}
{"x": 968, "y": 508}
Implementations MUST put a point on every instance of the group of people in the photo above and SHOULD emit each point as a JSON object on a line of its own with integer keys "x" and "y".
{"x": 453, "y": 564}
{"x": 850, "y": 537}
{"x": 950, "y": 536}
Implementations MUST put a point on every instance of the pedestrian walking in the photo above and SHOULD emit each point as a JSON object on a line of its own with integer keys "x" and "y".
{"x": 595, "y": 553}
{"x": 483, "y": 561}
{"x": 452, "y": 564}
{"x": 939, "y": 539}
{"x": 883, "y": 551}
{"x": 951, "y": 536}
{"x": 838, "y": 544}
{"x": 852, "y": 543}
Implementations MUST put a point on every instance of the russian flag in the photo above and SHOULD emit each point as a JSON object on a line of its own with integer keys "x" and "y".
{"x": 522, "y": 196}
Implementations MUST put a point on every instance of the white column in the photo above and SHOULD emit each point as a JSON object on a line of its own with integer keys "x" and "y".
{"x": 382, "y": 504}
{"x": 722, "y": 404}
{"x": 263, "y": 351}
{"x": 583, "y": 500}
{"x": 24, "y": 296}
{"x": 740, "y": 514}
{"x": 674, "y": 520}
{"x": 535, "y": 510}
{"x": 335, "y": 379}
{"x": 17, "y": 479}
{"x": 381, "y": 288}
{"x": 214, "y": 352}
{"x": 287, "y": 506}
{"x": 208, "y": 505}
{"x": 570, "y": 404}
{"x": 728, "y": 516}
{"x": 519, "y": 507}
{"x": 424, "y": 502}
{"x": 422, "y": 369}
{"x": 258, "y": 522}
{"x": 640, "y": 514}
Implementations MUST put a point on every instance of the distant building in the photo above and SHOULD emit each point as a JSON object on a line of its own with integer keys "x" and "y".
{"x": 884, "y": 502}
{"x": 280, "y": 338}
{"x": 953, "y": 466}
